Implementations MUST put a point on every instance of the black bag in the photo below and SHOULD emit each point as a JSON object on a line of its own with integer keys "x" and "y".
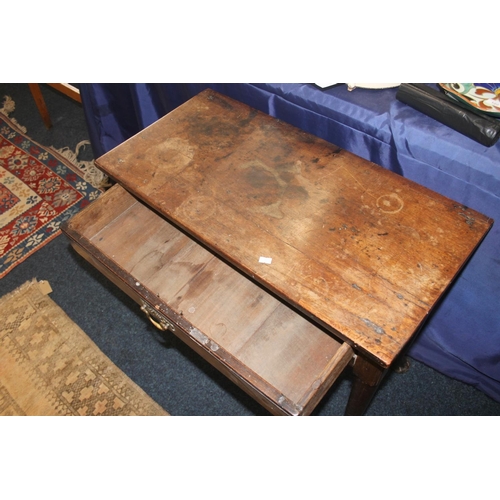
{"x": 481, "y": 128}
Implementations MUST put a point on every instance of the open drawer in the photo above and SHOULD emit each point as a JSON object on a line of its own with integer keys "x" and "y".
{"x": 276, "y": 355}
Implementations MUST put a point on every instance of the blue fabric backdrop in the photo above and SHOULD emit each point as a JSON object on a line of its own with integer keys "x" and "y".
{"x": 462, "y": 337}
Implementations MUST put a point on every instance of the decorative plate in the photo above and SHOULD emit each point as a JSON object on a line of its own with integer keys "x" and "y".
{"x": 372, "y": 86}
{"x": 484, "y": 97}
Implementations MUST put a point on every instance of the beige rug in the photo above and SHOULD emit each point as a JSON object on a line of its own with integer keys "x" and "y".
{"x": 49, "y": 366}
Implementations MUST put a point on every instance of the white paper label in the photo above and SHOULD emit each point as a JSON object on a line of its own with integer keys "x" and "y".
{"x": 265, "y": 260}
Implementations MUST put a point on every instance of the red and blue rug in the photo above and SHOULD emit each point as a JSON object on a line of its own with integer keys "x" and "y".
{"x": 39, "y": 190}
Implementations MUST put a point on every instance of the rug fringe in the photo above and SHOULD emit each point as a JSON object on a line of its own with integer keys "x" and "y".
{"x": 90, "y": 172}
{"x": 7, "y": 108}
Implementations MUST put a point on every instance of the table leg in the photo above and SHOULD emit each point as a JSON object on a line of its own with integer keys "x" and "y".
{"x": 367, "y": 377}
{"x": 402, "y": 365}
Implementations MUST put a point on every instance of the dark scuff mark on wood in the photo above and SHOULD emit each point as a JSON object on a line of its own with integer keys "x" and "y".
{"x": 334, "y": 152}
{"x": 373, "y": 326}
{"x": 220, "y": 101}
{"x": 468, "y": 219}
{"x": 251, "y": 115}
{"x": 219, "y": 158}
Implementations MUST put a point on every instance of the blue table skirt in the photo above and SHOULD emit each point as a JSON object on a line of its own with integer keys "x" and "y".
{"x": 462, "y": 336}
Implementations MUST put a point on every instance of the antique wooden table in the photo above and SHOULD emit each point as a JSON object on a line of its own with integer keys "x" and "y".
{"x": 353, "y": 256}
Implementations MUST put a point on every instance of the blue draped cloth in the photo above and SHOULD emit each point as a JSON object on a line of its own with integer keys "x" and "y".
{"x": 462, "y": 336}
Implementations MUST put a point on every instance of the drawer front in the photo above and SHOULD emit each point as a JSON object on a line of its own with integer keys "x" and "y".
{"x": 277, "y": 356}
{"x": 164, "y": 318}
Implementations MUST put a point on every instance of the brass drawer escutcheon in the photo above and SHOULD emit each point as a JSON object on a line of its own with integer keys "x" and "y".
{"x": 158, "y": 320}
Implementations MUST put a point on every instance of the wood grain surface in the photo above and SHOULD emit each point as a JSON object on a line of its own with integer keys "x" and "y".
{"x": 363, "y": 251}
{"x": 279, "y": 357}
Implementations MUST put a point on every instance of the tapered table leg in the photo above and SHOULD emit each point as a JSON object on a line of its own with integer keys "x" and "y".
{"x": 367, "y": 377}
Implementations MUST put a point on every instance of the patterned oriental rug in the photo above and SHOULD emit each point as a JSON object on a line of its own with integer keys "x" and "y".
{"x": 50, "y": 367}
{"x": 39, "y": 189}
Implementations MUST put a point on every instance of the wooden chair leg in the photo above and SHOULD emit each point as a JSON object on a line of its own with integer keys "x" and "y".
{"x": 40, "y": 103}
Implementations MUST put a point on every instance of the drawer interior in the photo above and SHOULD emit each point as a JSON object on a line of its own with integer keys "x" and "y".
{"x": 278, "y": 356}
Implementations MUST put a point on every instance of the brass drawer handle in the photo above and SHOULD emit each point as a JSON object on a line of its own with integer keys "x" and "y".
{"x": 156, "y": 319}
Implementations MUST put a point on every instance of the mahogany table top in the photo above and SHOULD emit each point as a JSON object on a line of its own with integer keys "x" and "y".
{"x": 363, "y": 251}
